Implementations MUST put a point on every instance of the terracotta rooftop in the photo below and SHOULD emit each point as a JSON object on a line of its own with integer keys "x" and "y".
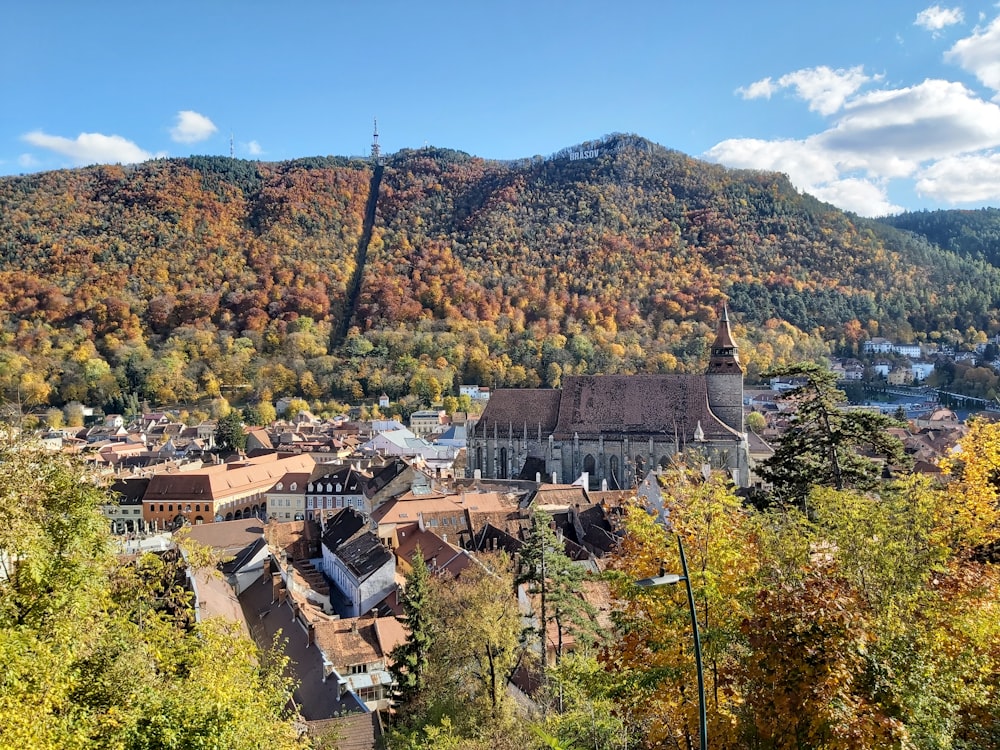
{"x": 348, "y": 641}
{"x": 223, "y": 480}
{"x": 560, "y": 494}
{"x": 355, "y": 731}
{"x": 437, "y": 553}
{"x": 299, "y": 538}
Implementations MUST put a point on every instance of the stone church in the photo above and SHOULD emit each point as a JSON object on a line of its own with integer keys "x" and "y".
{"x": 616, "y": 428}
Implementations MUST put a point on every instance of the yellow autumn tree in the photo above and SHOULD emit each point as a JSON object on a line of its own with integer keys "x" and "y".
{"x": 972, "y": 515}
{"x": 654, "y": 653}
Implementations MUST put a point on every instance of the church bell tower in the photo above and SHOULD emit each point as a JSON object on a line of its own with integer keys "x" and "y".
{"x": 725, "y": 377}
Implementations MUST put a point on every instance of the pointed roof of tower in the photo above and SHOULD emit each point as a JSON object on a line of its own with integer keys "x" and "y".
{"x": 725, "y": 355}
{"x": 724, "y": 336}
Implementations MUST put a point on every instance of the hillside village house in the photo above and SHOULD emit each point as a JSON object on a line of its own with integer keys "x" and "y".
{"x": 474, "y": 392}
{"x": 615, "y": 428}
{"x": 221, "y": 492}
{"x": 878, "y": 345}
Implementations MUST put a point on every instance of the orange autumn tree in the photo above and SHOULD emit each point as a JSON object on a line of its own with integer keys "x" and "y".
{"x": 862, "y": 626}
{"x": 654, "y": 654}
{"x": 805, "y": 674}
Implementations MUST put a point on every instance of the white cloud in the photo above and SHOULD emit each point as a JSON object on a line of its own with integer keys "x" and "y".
{"x": 863, "y": 197}
{"x": 254, "y": 149}
{"x": 811, "y": 168}
{"x": 979, "y": 54}
{"x": 90, "y": 148}
{"x": 936, "y": 18}
{"x": 805, "y": 165}
{"x": 882, "y": 136}
{"x": 824, "y": 88}
{"x": 192, "y": 127}
{"x": 963, "y": 179}
{"x": 762, "y": 89}
{"x": 28, "y": 161}
{"x": 890, "y": 132}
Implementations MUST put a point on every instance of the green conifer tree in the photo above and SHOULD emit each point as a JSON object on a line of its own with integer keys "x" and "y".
{"x": 826, "y": 444}
{"x": 410, "y": 658}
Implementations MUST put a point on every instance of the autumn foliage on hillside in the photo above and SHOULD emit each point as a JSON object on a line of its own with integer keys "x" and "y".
{"x": 187, "y": 279}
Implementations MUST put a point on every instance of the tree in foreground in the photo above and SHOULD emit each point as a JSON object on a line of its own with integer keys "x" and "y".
{"x": 826, "y": 444}
{"x": 872, "y": 623}
{"x": 91, "y": 656}
{"x": 466, "y": 703}
{"x": 558, "y": 583}
{"x": 410, "y": 659}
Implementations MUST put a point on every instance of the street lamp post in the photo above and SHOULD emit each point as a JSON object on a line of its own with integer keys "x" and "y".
{"x": 666, "y": 579}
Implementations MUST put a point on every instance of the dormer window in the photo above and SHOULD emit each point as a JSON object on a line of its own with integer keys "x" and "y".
{"x": 278, "y": 486}
{"x": 291, "y": 487}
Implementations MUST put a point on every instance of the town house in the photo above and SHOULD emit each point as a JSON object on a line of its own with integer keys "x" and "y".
{"x": 221, "y": 492}
{"x": 359, "y": 564}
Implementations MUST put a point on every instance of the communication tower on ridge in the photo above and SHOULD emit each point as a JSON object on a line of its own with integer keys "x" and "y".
{"x": 376, "y": 149}
{"x": 232, "y": 150}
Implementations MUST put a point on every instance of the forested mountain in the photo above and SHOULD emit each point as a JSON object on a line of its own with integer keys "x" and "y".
{"x": 185, "y": 279}
{"x": 974, "y": 234}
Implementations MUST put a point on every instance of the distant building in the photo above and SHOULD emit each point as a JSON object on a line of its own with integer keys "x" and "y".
{"x": 474, "y": 392}
{"x": 616, "y": 427}
{"x": 922, "y": 370}
{"x": 426, "y": 422}
{"x": 285, "y": 501}
{"x": 877, "y": 345}
{"x": 126, "y": 514}
{"x": 332, "y": 488}
{"x": 221, "y": 492}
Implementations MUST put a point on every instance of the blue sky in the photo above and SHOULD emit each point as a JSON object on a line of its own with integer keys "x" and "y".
{"x": 875, "y": 106}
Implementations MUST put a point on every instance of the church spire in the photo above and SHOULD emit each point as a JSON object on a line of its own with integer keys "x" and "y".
{"x": 725, "y": 353}
{"x": 724, "y": 378}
